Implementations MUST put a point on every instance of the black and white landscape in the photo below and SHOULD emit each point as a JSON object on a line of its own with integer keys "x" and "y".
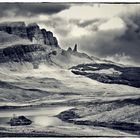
{"x": 69, "y": 69}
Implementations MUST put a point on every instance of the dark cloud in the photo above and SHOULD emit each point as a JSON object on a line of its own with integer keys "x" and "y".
{"x": 30, "y": 9}
{"x": 120, "y": 45}
{"x": 104, "y": 45}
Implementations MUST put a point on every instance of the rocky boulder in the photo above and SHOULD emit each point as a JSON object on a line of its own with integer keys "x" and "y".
{"x": 67, "y": 115}
{"x": 21, "y": 120}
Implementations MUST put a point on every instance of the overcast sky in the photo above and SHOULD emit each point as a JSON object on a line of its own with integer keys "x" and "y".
{"x": 106, "y": 30}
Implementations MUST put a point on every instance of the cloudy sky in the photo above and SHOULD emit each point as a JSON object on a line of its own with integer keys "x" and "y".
{"x": 109, "y": 31}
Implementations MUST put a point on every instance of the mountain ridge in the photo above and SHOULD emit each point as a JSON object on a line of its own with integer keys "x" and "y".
{"x": 31, "y": 32}
{"x": 22, "y": 43}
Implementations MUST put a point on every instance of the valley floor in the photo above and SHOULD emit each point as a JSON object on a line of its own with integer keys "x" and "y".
{"x": 91, "y": 108}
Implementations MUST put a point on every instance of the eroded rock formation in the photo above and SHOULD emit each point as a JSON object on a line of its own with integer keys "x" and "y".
{"x": 31, "y": 32}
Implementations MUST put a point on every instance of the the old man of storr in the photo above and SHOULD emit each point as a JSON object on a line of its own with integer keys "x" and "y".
{"x": 69, "y": 69}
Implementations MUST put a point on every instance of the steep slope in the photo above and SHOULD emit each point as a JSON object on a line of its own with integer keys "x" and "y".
{"x": 21, "y": 44}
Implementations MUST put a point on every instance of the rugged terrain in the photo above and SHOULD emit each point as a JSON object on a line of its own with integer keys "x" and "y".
{"x": 94, "y": 97}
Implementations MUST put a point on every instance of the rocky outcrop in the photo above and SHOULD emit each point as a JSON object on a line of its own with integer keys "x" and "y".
{"x": 21, "y": 43}
{"x": 49, "y": 39}
{"x": 31, "y": 32}
{"x": 21, "y": 120}
{"x": 69, "y": 49}
{"x": 75, "y": 48}
{"x": 34, "y": 33}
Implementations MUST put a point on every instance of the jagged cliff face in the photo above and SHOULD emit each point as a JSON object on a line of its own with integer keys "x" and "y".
{"x": 21, "y": 43}
{"x": 31, "y": 32}
{"x": 19, "y": 53}
{"x": 35, "y": 34}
